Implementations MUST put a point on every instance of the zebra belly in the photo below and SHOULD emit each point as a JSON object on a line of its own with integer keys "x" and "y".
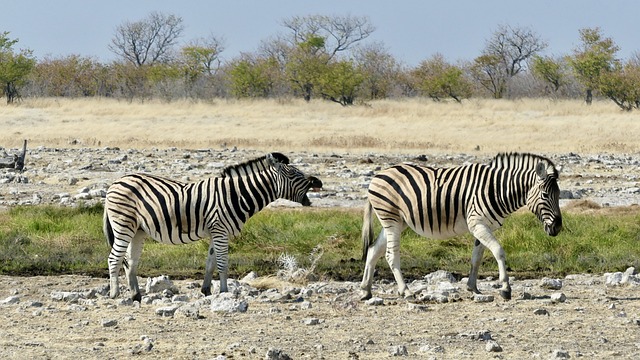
{"x": 441, "y": 232}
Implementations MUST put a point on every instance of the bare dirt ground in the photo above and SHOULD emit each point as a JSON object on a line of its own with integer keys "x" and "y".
{"x": 595, "y": 322}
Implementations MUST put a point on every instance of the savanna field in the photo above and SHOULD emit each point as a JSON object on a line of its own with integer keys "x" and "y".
{"x": 47, "y": 247}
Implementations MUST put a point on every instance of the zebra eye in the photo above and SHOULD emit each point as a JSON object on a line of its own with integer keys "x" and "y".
{"x": 544, "y": 195}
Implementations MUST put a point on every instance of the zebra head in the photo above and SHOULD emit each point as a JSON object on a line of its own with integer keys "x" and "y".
{"x": 292, "y": 184}
{"x": 543, "y": 198}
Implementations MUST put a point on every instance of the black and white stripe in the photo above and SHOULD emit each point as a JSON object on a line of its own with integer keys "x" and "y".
{"x": 172, "y": 212}
{"x": 442, "y": 202}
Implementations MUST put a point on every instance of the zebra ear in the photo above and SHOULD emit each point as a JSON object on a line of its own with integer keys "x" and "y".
{"x": 277, "y": 159}
{"x": 541, "y": 170}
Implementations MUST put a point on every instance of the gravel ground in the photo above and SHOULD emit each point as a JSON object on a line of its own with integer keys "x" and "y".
{"x": 595, "y": 321}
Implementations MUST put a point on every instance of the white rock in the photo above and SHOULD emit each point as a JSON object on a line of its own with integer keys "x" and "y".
{"x": 553, "y": 284}
{"x": 375, "y": 301}
{"x": 226, "y": 302}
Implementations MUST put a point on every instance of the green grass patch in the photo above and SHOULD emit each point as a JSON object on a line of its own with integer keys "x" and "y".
{"x": 37, "y": 240}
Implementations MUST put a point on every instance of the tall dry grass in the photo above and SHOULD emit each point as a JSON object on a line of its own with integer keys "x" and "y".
{"x": 414, "y": 126}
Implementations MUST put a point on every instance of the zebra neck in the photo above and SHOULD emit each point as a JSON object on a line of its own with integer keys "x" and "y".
{"x": 249, "y": 194}
{"x": 512, "y": 194}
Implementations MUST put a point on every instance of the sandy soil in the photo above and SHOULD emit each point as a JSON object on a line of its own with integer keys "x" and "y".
{"x": 595, "y": 322}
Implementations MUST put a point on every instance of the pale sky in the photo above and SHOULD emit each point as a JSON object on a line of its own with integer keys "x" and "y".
{"x": 411, "y": 30}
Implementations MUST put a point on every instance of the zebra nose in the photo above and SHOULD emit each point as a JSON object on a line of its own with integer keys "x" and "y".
{"x": 554, "y": 227}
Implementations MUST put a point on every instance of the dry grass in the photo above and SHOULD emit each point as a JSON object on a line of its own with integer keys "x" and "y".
{"x": 414, "y": 126}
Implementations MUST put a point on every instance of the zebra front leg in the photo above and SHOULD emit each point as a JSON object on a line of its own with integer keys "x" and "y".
{"x": 485, "y": 236}
{"x": 208, "y": 271}
{"x": 373, "y": 254}
{"x": 393, "y": 259}
{"x": 476, "y": 260}
{"x": 218, "y": 250}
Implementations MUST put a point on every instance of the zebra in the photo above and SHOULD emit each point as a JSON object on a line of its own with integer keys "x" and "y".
{"x": 442, "y": 202}
{"x": 172, "y": 212}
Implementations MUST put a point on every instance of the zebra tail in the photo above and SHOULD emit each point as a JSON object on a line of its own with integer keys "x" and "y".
{"x": 108, "y": 230}
{"x": 367, "y": 229}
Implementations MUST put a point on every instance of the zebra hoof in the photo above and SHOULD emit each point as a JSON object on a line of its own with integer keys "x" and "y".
{"x": 206, "y": 291}
{"x": 136, "y": 297}
{"x": 365, "y": 295}
{"x": 506, "y": 294}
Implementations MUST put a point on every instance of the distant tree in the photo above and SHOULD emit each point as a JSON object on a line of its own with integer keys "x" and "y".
{"x": 14, "y": 67}
{"x": 438, "y": 79}
{"x": 306, "y": 64}
{"x": 486, "y": 70}
{"x": 505, "y": 55}
{"x": 72, "y": 76}
{"x": 340, "y": 33}
{"x": 379, "y": 69}
{"x": 551, "y": 71}
{"x": 340, "y": 82}
{"x": 622, "y": 85}
{"x": 252, "y": 76}
{"x": 313, "y": 44}
{"x": 595, "y": 56}
{"x": 200, "y": 60}
{"x": 147, "y": 41}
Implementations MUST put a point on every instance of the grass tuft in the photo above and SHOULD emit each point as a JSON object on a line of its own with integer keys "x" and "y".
{"x": 43, "y": 240}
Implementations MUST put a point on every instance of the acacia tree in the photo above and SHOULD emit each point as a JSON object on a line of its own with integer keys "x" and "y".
{"x": 340, "y": 82}
{"x": 340, "y": 33}
{"x": 595, "y": 56}
{"x": 14, "y": 67}
{"x": 551, "y": 71}
{"x": 314, "y": 43}
{"x": 147, "y": 41}
{"x": 379, "y": 68}
{"x": 200, "y": 61}
{"x": 438, "y": 79}
{"x": 622, "y": 86}
{"x": 505, "y": 55}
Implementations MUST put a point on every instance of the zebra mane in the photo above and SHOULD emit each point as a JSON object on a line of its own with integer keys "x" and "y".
{"x": 248, "y": 166}
{"x": 514, "y": 159}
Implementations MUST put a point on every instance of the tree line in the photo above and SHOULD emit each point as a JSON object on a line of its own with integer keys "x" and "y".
{"x": 326, "y": 57}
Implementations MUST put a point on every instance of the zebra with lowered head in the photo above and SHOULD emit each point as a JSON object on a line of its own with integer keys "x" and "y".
{"x": 172, "y": 212}
{"x": 442, "y": 202}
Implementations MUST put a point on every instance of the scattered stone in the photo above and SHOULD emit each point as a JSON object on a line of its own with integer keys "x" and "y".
{"x": 276, "y": 354}
{"x": 109, "y": 322}
{"x": 540, "y": 312}
{"x": 552, "y": 284}
{"x": 482, "y": 298}
{"x": 227, "y": 303}
{"x": 66, "y": 296}
{"x": 167, "y": 311}
{"x": 311, "y": 321}
{"x": 483, "y": 335}
{"x": 399, "y": 350}
{"x": 375, "y": 301}
{"x": 560, "y": 354}
{"x": 439, "y": 276}
{"x": 159, "y": 284}
{"x": 492, "y": 346}
{"x": 558, "y": 298}
{"x": 10, "y": 300}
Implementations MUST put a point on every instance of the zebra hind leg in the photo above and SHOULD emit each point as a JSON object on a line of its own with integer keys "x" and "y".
{"x": 131, "y": 269}
{"x": 116, "y": 257}
{"x": 374, "y": 253}
{"x": 393, "y": 258}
